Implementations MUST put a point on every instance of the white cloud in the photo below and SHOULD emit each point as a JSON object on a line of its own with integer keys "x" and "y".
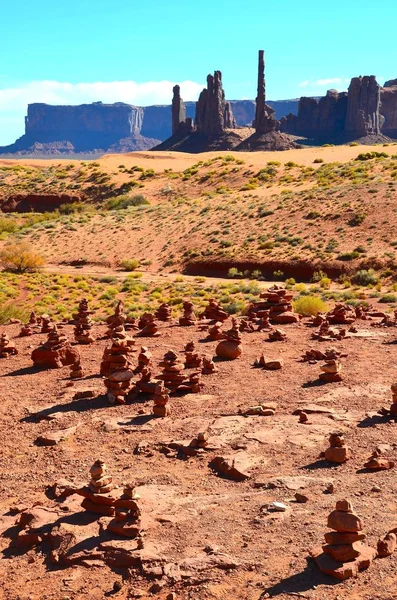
{"x": 14, "y": 100}
{"x": 339, "y": 81}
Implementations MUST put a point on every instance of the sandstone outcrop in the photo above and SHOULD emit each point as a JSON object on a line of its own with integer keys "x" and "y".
{"x": 213, "y": 113}
{"x": 180, "y": 124}
{"x": 363, "y": 104}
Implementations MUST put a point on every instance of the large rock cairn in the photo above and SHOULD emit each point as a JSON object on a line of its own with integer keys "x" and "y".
{"x": 117, "y": 356}
{"x": 126, "y": 521}
{"x": 172, "y": 374}
{"x": 83, "y": 324}
{"x": 265, "y": 120}
{"x": 117, "y": 319}
{"x": 193, "y": 359}
{"x": 363, "y": 107}
{"x": 7, "y": 348}
{"x": 160, "y": 400}
{"x": 230, "y": 347}
{"x": 98, "y": 497}
{"x": 148, "y": 326}
{"x": 180, "y": 124}
{"x": 164, "y": 312}
{"x": 278, "y": 301}
{"x": 344, "y": 553}
{"x": 188, "y": 319}
{"x": 214, "y": 312}
{"x": 56, "y": 352}
{"x": 213, "y": 113}
{"x": 341, "y": 314}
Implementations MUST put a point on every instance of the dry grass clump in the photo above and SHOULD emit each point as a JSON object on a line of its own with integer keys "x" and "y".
{"x": 19, "y": 257}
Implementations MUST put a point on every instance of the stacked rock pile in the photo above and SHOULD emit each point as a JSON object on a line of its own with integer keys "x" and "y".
{"x": 55, "y": 352}
{"x": 164, "y": 312}
{"x": 278, "y": 301}
{"x": 172, "y": 374}
{"x": 193, "y": 359}
{"x": 337, "y": 452}
{"x": 97, "y": 495}
{"x": 277, "y": 335}
{"x": 148, "y": 326}
{"x": 83, "y": 324}
{"x": 117, "y": 319}
{"x": 47, "y": 325}
{"x": 126, "y": 521}
{"x": 208, "y": 366}
{"x": 160, "y": 400}
{"x": 7, "y": 348}
{"x": 214, "y": 312}
{"x": 144, "y": 359}
{"x": 188, "y": 318}
{"x": 230, "y": 347}
{"x": 331, "y": 371}
{"x": 341, "y": 314}
{"x": 118, "y": 355}
{"x": 215, "y": 332}
{"x": 76, "y": 370}
{"x": 26, "y": 330}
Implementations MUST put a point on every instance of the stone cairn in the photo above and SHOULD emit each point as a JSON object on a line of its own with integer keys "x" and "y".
{"x": 146, "y": 384}
{"x": 56, "y": 352}
{"x": 144, "y": 359}
{"x": 116, "y": 320}
{"x": 7, "y": 348}
{"x": 47, "y": 325}
{"x": 83, "y": 324}
{"x": 26, "y": 330}
{"x": 269, "y": 364}
{"x": 337, "y": 452}
{"x": 76, "y": 370}
{"x": 230, "y": 347}
{"x": 344, "y": 553}
{"x": 33, "y": 319}
{"x": 148, "y": 326}
{"x": 118, "y": 355}
{"x": 277, "y": 301}
{"x": 378, "y": 462}
{"x": 393, "y": 407}
{"x": 215, "y": 332}
{"x": 126, "y": 521}
{"x": 208, "y": 366}
{"x": 188, "y": 318}
{"x": 341, "y": 314}
{"x": 118, "y": 385}
{"x": 161, "y": 399}
{"x": 172, "y": 371}
{"x": 247, "y": 326}
{"x": 164, "y": 312}
{"x": 313, "y": 355}
{"x": 331, "y": 371}
{"x": 277, "y": 335}
{"x": 326, "y": 333}
{"x": 214, "y": 312}
{"x": 97, "y": 495}
{"x": 193, "y": 359}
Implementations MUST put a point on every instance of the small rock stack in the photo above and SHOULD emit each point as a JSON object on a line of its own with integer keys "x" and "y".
{"x": 215, "y": 332}
{"x": 118, "y": 384}
{"x": 277, "y": 335}
{"x": 33, "y": 319}
{"x": 47, "y": 325}
{"x": 189, "y": 318}
{"x": 214, "y": 312}
{"x": 148, "y": 326}
{"x": 83, "y": 324}
{"x": 378, "y": 462}
{"x": 144, "y": 359}
{"x": 344, "y": 553}
{"x": 247, "y": 326}
{"x": 55, "y": 352}
{"x": 172, "y": 371}
{"x": 127, "y": 514}
{"x": 230, "y": 347}
{"x": 26, "y": 330}
{"x": 331, "y": 371}
{"x": 326, "y": 333}
{"x": 97, "y": 495}
{"x": 117, "y": 319}
{"x": 76, "y": 370}
{"x": 164, "y": 312}
{"x": 341, "y": 314}
{"x": 393, "y": 407}
{"x": 7, "y": 348}
{"x": 337, "y": 452}
{"x": 208, "y": 366}
{"x": 193, "y": 359}
{"x": 161, "y": 399}
{"x": 146, "y": 385}
{"x": 118, "y": 355}
{"x": 277, "y": 301}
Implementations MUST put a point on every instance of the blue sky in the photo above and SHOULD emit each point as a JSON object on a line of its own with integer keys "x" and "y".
{"x": 85, "y": 50}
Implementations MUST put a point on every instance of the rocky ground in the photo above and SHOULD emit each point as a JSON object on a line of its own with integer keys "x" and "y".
{"x": 206, "y": 537}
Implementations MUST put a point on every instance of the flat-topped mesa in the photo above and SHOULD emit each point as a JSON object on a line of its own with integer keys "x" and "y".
{"x": 265, "y": 120}
{"x": 363, "y": 107}
{"x": 117, "y": 356}
{"x": 188, "y": 318}
{"x": 127, "y": 514}
{"x": 213, "y": 114}
{"x": 144, "y": 359}
{"x": 76, "y": 370}
{"x": 83, "y": 324}
{"x": 98, "y": 497}
{"x": 172, "y": 374}
{"x": 208, "y": 366}
{"x": 344, "y": 553}
{"x": 278, "y": 301}
{"x": 148, "y": 326}
{"x": 214, "y": 312}
{"x": 180, "y": 124}
{"x": 192, "y": 358}
{"x": 331, "y": 371}
{"x": 341, "y": 314}
{"x": 164, "y": 312}
{"x": 160, "y": 400}
{"x": 56, "y": 352}
{"x": 337, "y": 452}
{"x": 117, "y": 319}
{"x": 7, "y": 348}
{"x": 230, "y": 347}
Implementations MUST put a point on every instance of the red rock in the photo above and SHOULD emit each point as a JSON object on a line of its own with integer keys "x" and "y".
{"x": 387, "y": 545}
{"x": 344, "y": 521}
{"x": 339, "y": 570}
{"x": 335, "y": 538}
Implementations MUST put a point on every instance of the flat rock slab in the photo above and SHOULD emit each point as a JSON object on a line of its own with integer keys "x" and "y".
{"x": 294, "y": 483}
{"x": 52, "y": 438}
{"x": 288, "y": 430}
{"x": 342, "y": 571}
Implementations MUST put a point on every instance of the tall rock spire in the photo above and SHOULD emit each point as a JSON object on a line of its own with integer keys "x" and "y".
{"x": 264, "y": 115}
{"x": 213, "y": 113}
{"x": 363, "y": 107}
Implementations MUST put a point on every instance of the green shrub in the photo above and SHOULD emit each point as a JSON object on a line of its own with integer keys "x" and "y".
{"x": 12, "y": 311}
{"x": 357, "y": 219}
{"x": 20, "y": 258}
{"x": 309, "y": 306}
{"x": 129, "y": 264}
{"x": 121, "y": 202}
{"x": 388, "y": 299}
{"x": 234, "y": 273}
{"x": 8, "y": 225}
{"x": 365, "y": 277}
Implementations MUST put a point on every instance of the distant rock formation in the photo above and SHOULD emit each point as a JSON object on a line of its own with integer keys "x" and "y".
{"x": 363, "y": 104}
{"x": 213, "y": 113}
{"x": 318, "y": 117}
{"x": 180, "y": 124}
{"x": 265, "y": 120}
{"x": 388, "y": 108}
